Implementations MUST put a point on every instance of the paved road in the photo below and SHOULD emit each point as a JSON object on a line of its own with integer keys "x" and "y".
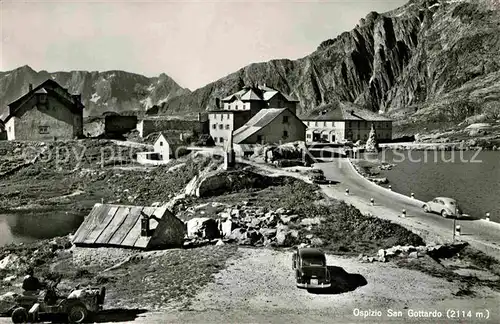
{"x": 479, "y": 233}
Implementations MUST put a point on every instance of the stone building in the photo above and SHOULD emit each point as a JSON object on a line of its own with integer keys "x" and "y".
{"x": 46, "y": 112}
{"x": 236, "y": 109}
{"x": 271, "y": 126}
{"x": 345, "y": 122}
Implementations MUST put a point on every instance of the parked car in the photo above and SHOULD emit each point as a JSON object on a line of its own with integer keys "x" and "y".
{"x": 320, "y": 179}
{"x": 444, "y": 206}
{"x": 310, "y": 268}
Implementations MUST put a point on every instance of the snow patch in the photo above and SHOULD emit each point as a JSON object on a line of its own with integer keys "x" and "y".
{"x": 151, "y": 88}
{"x": 164, "y": 99}
{"x": 435, "y": 5}
{"x": 95, "y": 97}
{"x": 147, "y": 102}
{"x": 111, "y": 75}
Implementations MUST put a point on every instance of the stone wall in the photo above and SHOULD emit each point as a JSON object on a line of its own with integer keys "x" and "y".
{"x": 148, "y": 126}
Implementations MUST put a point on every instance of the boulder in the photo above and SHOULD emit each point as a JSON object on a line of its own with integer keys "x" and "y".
{"x": 285, "y": 236}
{"x": 281, "y": 210}
{"x": 285, "y": 219}
{"x": 220, "y": 243}
{"x": 9, "y": 279}
{"x": 268, "y": 232}
{"x": 310, "y": 221}
{"x": 413, "y": 255}
{"x": 238, "y": 234}
{"x": 381, "y": 253}
{"x": 202, "y": 227}
{"x": 11, "y": 261}
{"x": 227, "y": 227}
{"x": 317, "y": 242}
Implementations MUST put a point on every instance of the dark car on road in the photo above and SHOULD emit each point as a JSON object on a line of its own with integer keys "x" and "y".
{"x": 310, "y": 268}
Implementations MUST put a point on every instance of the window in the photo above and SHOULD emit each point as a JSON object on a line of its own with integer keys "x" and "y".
{"x": 308, "y": 136}
{"x": 285, "y": 134}
{"x": 221, "y": 139}
{"x": 215, "y": 139}
{"x": 221, "y": 116}
{"x": 316, "y": 124}
{"x": 221, "y": 126}
{"x": 285, "y": 119}
{"x": 43, "y": 129}
{"x": 43, "y": 98}
{"x": 161, "y": 143}
{"x": 259, "y": 139}
{"x": 214, "y": 126}
{"x": 227, "y": 126}
{"x": 9, "y": 129}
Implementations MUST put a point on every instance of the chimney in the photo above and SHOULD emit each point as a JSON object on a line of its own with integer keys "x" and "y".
{"x": 30, "y": 87}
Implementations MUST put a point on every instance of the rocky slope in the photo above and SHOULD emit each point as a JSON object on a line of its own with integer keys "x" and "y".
{"x": 430, "y": 61}
{"x": 101, "y": 91}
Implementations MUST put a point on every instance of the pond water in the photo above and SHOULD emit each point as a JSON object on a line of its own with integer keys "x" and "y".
{"x": 28, "y": 227}
{"x": 472, "y": 178}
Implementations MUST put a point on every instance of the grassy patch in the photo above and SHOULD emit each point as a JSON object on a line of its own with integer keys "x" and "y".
{"x": 153, "y": 280}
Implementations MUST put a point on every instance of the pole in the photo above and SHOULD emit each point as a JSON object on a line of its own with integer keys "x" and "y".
{"x": 454, "y": 227}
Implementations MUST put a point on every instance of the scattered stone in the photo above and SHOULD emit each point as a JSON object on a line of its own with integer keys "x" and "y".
{"x": 317, "y": 242}
{"x": 9, "y": 279}
{"x": 227, "y": 227}
{"x": 413, "y": 255}
{"x": 219, "y": 243}
{"x": 381, "y": 253}
{"x": 268, "y": 232}
{"x": 281, "y": 210}
{"x": 310, "y": 221}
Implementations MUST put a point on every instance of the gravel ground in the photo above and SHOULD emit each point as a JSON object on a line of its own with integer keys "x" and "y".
{"x": 259, "y": 287}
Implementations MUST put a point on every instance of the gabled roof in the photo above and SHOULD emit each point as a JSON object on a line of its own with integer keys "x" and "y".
{"x": 257, "y": 122}
{"x": 47, "y": 87}
{"x": 117, "y": 225}
{"x": 343, "y": 111}
{"x": 172, "y": 138}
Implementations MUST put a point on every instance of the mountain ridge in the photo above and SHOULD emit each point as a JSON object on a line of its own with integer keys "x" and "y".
{"x": 113, "y": 90}
{"x": 426, "y": 62}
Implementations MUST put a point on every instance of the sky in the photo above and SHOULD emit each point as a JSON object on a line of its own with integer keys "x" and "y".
{"x": 194, "y": 42}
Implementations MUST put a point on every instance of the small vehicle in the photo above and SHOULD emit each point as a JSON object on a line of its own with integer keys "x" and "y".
{"x": 320, "y": 179}
{"x": 310, "y": 268}
{"x": 76, "y": 307}
{"x": 446, "y": 207}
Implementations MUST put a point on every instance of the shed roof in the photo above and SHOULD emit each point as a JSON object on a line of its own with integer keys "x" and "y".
{"x": 117, "y": 225}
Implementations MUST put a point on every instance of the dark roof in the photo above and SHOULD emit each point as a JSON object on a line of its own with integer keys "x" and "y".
{"x": 117, "y": 225}
{"x": 311, "y": 253}
{"x": 341, "y": 111}
{"x": 47, "y": 87}
{"x": 259, "y": 93}
{"x": 172, "y": 138}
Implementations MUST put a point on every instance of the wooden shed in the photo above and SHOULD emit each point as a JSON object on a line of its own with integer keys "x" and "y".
{"x": 125, "y": 226}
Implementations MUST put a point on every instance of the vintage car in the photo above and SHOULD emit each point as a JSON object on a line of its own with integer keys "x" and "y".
{"x": 310, "y": 268}
{"x": 444, "y": 206}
